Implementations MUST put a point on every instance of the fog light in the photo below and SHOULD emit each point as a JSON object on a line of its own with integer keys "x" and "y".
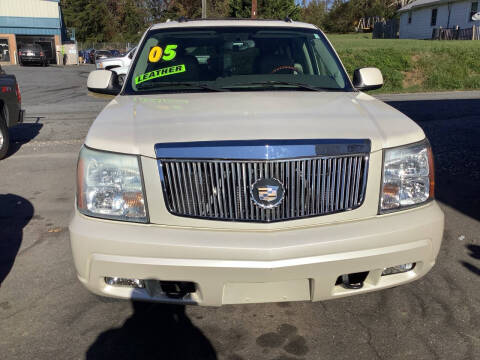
{"x": 115, "y": 281}
{"x": 398, "y": 269}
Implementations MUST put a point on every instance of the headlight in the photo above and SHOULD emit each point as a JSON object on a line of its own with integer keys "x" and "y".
{"x": 110, "y": 186}
{"x": 408, "y": 177}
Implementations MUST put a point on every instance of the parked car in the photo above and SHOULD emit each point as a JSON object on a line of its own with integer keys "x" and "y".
{"x": 32, "y": 54}
{"x": 102, "y": 54}
{"x": 119, "y": 65}
{"x": 238, "y": 163}
{"x": 114, "y": 62}
{"x": 11, "y": 112}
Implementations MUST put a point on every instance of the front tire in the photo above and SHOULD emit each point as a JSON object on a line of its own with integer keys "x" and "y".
{"x": 4, "y": 138}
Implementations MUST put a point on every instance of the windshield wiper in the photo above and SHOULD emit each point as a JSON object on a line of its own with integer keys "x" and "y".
{"x": 154, "y": 85}
{"x": 276, "y": 82}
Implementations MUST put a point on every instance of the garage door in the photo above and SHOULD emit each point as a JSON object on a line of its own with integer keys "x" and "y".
{"x": 46, "y": 42}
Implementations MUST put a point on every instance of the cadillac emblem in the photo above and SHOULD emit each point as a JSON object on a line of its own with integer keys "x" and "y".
{"x": 267, "y": 193}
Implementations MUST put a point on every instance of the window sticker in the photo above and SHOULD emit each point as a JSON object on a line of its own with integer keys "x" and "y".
{"x": 157, "y": 53}
{"x": 171, "y": 70}
{"x": 170, "y": 53}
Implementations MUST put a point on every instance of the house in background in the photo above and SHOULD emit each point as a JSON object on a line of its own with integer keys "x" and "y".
{"x": 420, "y": 17}
{"x": 29, "y": 21}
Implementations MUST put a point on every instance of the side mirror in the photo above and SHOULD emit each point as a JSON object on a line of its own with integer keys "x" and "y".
{"x": 104, "y": 82}
{"x": 368, "y": 78}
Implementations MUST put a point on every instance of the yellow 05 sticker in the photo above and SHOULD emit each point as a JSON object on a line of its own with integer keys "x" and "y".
{"x": 157, "y": 53}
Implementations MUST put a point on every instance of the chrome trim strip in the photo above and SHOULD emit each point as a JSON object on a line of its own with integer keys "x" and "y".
{"x": 261, "y": 149}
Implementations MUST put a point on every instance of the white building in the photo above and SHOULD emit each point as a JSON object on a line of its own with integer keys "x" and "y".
{"x": 419, "y": 18}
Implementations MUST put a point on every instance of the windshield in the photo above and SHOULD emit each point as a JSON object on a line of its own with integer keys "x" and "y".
{"x": 31, "y": 47}
{"x": 235, "y": 59}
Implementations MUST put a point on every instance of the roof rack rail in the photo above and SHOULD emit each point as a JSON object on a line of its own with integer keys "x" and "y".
{"x": 184, "y": 19}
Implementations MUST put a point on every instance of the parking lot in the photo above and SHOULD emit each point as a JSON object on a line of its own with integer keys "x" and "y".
{"x": 46, "y": 313}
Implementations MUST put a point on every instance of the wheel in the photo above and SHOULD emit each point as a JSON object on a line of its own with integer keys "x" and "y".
{"x": 4, "y": 138}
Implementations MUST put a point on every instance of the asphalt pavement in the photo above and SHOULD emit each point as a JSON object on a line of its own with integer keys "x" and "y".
{"x": 45, "y": 313}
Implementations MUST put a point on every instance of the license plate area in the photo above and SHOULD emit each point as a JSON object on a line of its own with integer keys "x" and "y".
{"x": 280, "y": 291}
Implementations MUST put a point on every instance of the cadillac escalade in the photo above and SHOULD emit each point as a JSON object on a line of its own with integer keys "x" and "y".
{"x": 238, "y": 163}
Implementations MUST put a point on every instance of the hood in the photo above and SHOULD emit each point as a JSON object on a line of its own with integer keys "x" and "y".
{"x": 134, "y": 124}
{"x": 107, "y": 59}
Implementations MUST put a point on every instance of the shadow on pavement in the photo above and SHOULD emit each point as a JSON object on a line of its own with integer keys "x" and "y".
{"x": 475, "y": 254}
{"x": 154, "y": 331}
{"x": 453, "y": 128}
{"x": 15, "y": 213}
{"x": 23, "y": 133}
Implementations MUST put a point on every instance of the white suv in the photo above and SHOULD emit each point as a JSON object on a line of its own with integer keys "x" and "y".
{"x": 239, "y": 164}
{"x": 119, "y": 65}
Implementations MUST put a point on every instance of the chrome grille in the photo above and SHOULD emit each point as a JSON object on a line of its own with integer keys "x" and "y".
{"x": 220, "y": 189}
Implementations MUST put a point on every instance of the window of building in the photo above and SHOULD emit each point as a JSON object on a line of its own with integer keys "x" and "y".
{"x": 410, "y": 17}
{"x": 4, "y": 50}
{"x": 473, "y": 10}
{"x": 433, "y": 21}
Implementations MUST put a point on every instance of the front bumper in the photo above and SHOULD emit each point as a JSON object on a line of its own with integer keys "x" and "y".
{"x": 230, "y": 267}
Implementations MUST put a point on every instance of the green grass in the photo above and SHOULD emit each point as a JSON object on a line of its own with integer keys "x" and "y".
{"x": 413, "y": 65}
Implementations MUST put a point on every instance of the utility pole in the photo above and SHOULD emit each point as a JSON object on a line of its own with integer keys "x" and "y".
{"x": 204, "y": 9}
{"x": 254, "y": 9}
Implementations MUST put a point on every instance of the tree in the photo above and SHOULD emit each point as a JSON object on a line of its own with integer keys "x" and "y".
{"x": 70, "y": 10}
{"x": 240, "y": 8}
{"x": 190, "y": 9}
{"x": 90, "y": 18}
{"x": 278, "y": 9}
{"x": 267, "y": 9}
{"x": 131, "y": 20}
{"x": 125, "y": 20}
{"x": 343, "y": 16}
{"x": 314, "y": 12}
{"x": 218, "y": 8}
{"x": 156, "y": 11}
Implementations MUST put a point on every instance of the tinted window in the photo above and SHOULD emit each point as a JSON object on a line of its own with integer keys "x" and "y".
{"x": 235, "y": 58}
{"x": 433, "y": 20}
{"x": 35, "y": 47}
